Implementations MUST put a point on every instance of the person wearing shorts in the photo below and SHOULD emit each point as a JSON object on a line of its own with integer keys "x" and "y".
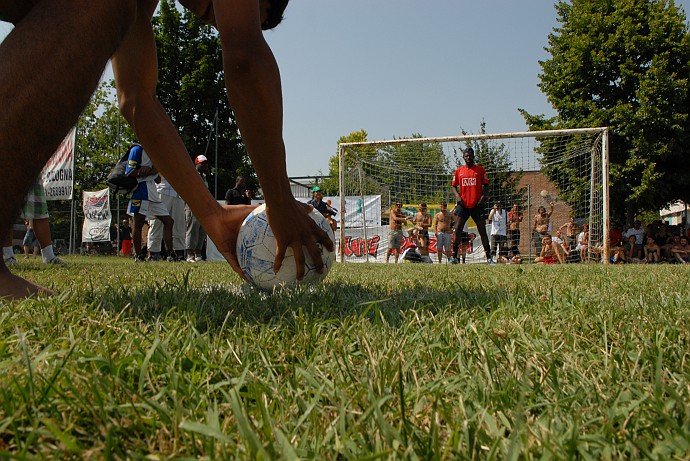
{"x": 468, "y": 187}
{"x": 35, "y": 211}
{"x": 145, "y": 201}
{"x": 442, "y": 228}
{"x": 30, "y": 241}
{"x": 395, "y": 234}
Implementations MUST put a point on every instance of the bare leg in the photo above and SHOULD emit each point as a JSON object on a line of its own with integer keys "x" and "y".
{"x": 46, "y": 78}
{"x": 136, "y": 233}
{"x": 42, "y": 231}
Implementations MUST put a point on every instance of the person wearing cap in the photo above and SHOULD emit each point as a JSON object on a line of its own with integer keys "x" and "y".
{"x": 468, "y": 185}
{"x": 442, "y": 229}
{"x": 195, "y": 234}
{"x": 422, "y": 222}
{"x": 318, "y": 203}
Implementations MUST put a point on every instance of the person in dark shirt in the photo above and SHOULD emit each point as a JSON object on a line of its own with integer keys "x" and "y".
{"x": 318, "y": 203}
{"x": 238, "y": 194}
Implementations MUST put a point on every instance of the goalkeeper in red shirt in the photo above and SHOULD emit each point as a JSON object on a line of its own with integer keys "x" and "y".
{"x": 468, "y": 187}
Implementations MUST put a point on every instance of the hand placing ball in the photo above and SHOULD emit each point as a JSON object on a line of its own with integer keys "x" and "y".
{"x": 256, "y": 252}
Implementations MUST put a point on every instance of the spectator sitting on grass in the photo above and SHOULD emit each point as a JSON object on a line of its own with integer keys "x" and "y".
{"x": 548, "y": 254}
{"x": 652, "y": 251}
{"x": 618, "y": 254}
{"x": 583, "y": 243}
{"x": 682, "y": 251}
{"x": 630, "y": 248}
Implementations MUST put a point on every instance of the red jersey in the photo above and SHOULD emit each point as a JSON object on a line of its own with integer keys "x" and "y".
{"x": 471, "y": 181}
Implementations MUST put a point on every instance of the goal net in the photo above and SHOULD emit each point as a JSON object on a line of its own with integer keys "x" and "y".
{"x": 563, "y": 171}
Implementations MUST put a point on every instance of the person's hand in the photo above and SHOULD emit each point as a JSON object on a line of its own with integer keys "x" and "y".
{"x": 223, "y": 227}
{"x": 293, "y": 228}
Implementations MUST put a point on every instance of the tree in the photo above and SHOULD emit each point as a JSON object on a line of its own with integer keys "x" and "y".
{"x": 192, "y": 88}
{"x": 330, "y": 185}
{"x": 625, "y": 64}
{"x": 405, "y": 170}
{"x": 103, "y": 136}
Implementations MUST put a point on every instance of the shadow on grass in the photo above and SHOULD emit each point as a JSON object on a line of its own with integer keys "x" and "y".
{"x": 211, "y": 306}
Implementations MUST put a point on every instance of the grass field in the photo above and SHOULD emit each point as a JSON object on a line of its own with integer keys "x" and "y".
{"x": 174, "y": 360}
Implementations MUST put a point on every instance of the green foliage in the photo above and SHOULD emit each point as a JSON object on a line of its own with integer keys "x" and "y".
{"x": 401, "y": 169}
{"x": 192, "y": 88}
{"x": 625, "y": 64}
{"x": 330, "y": 185}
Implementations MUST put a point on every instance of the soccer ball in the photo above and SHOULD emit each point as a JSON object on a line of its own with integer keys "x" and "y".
{"x": 256, "y": 251}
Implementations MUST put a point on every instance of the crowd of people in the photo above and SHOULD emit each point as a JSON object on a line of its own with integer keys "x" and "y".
{"x": 161, "y": 226}
{"x": 652, "y": 244}
{"x": 553, "y": 244}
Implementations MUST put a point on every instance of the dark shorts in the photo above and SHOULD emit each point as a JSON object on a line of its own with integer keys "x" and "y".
{"x": 476, "y": 213}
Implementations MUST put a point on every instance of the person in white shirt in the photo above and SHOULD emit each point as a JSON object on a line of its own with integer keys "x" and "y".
{"x": 175, "y": 206}
{"x": 499, "y": 230}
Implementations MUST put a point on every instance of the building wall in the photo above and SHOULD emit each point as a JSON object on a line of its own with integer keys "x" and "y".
{"x": 535, "y": 181}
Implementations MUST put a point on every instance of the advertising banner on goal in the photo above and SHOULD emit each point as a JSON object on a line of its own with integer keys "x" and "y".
{"x": 58, "y": 173}
{"x": 372, "y": 247}
{"x": 97, "y": 216}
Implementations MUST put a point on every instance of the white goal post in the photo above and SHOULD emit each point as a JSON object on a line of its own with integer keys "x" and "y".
{"x": 564, "y": 171}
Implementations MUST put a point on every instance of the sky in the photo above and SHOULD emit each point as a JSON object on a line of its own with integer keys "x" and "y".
{"x": 395, "y": 68}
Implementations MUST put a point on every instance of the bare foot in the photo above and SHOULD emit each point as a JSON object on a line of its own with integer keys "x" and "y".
{"x": 13, "y": 287}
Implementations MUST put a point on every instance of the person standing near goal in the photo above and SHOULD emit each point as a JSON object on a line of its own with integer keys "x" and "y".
{"x": 468, "y": 187}
{"x": 442, "y": 228}
{"x": 395, "y": 234}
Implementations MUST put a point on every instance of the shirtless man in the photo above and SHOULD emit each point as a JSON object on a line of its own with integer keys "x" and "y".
{"x": 395, "y": 234}
{"x": 48, "y": 75}
{"x": 442, "y": 229}
{"x": 571, "y": 230}
{"x": 541, "y": 226}
{"x": 514, "y": 218}
{"x": 422, "y": 222}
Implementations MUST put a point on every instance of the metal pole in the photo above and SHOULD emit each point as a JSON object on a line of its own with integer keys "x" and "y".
{"x": 215, "y": 191}
{"x": 530, "y": 234}
{"x": 119, "y": 223}
{"x": 605, "y": 187}
{"x": 364, "y": 213}
{"x": 72, "y": 218}
{"x": 341, "y": 192}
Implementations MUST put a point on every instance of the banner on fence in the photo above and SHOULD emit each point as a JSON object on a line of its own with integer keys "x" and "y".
{"x": 58, "y": 173}
{"x": 372, "y": 247}
{"x": 97, "y": 216}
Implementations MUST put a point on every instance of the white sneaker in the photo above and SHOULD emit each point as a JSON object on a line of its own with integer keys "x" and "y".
{"x": 11, "y": 261}
{"x": 191, "y": 259}
{"x": 198, "y": 259}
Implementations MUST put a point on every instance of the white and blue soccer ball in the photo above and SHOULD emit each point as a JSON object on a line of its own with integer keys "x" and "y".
{"x": 256, "y": 251}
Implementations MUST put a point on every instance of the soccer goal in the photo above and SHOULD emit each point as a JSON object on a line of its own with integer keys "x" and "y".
{"x": 564, "y": 171}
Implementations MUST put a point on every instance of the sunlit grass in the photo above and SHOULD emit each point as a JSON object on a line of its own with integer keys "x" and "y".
{"x": 177, "y": 360}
